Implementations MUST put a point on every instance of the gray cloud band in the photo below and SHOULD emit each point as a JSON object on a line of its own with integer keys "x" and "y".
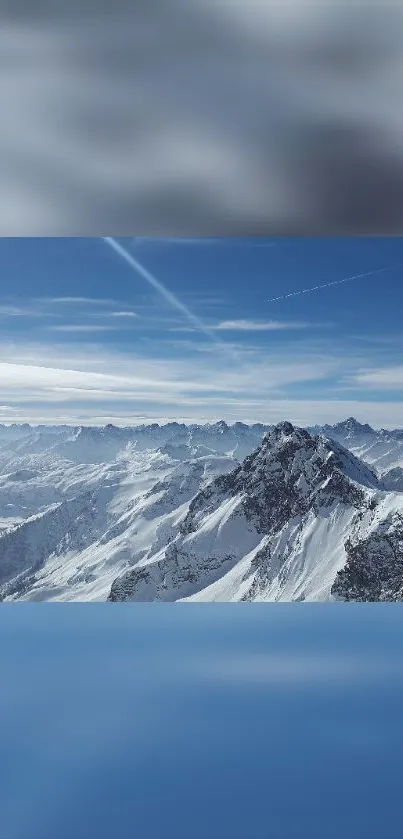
{"x": 207, "y": 118}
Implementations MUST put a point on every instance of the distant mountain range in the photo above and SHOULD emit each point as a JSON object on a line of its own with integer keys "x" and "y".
{"x": 201, "y": 512}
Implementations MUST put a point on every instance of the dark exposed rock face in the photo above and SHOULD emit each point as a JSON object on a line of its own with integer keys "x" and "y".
{"x": 290, "y": 475}
{"x": 374, "y": 570}
{"x": 122, "y": 587}
{"x": 178, "y": 571}
{"x": 393, "y": 480}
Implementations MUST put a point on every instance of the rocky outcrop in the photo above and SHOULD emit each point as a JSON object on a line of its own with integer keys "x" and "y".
{"x": 374, "y": 567}
{"x": 292, "y": 476}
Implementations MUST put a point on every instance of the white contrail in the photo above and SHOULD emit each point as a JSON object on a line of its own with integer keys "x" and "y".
{"x": 158, "y": 286}
{"x": 335, "y": 282}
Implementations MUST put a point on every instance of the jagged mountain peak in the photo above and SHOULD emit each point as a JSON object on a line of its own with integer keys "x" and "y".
{"x": 284, "y": 431}
{"x": 284, "y": 427}
{"x": 291, "y": 472}
{"x": 352, "y": 422}
{"x": 220, "y": 426}
{"x": 290, "y": 447}
{"x": 272, "y": 528}
{"x": 184, "y": 511}
{"x": 354, "y": 426}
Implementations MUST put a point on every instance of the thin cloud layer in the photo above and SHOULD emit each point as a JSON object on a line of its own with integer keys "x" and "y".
{"x": 258, "y": 326}
{"x": 389, "y": 378}
{"x": 79, "y": 382}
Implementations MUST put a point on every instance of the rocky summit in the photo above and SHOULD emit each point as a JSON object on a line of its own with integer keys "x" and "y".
{"x": 211, "y": 512}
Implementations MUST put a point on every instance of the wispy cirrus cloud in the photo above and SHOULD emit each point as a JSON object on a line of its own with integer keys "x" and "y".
{"x": 16, "y": 311}
{"x": 247, "y": 325}
{"x": 48, "y": 306}
{"x": 258, "y": 325}
{"x": 82, "y": 327}
{"x": 84, "y": 301}
{"x": 128, "y": 314}
{"x": 43, "y": 372}
{"x": 79, "y": 379}
{"x": 387, "y": 378}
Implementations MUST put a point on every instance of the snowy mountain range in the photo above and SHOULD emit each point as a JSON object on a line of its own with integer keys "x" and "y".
{"x": 201, "y": 512}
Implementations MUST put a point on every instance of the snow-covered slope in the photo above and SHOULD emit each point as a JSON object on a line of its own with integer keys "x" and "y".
{"x": 381, "y": 448}
{"x": 275, "y": 528}
{"x": 200, "y": 512}
{"x": 78, "y": 506}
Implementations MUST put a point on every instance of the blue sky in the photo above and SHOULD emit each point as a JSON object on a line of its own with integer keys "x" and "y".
{"x": 187, "y": 330}
{"x": 204, "y": 721}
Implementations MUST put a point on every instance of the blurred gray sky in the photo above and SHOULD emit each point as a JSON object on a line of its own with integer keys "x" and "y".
{"x": 192, "y": 117}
